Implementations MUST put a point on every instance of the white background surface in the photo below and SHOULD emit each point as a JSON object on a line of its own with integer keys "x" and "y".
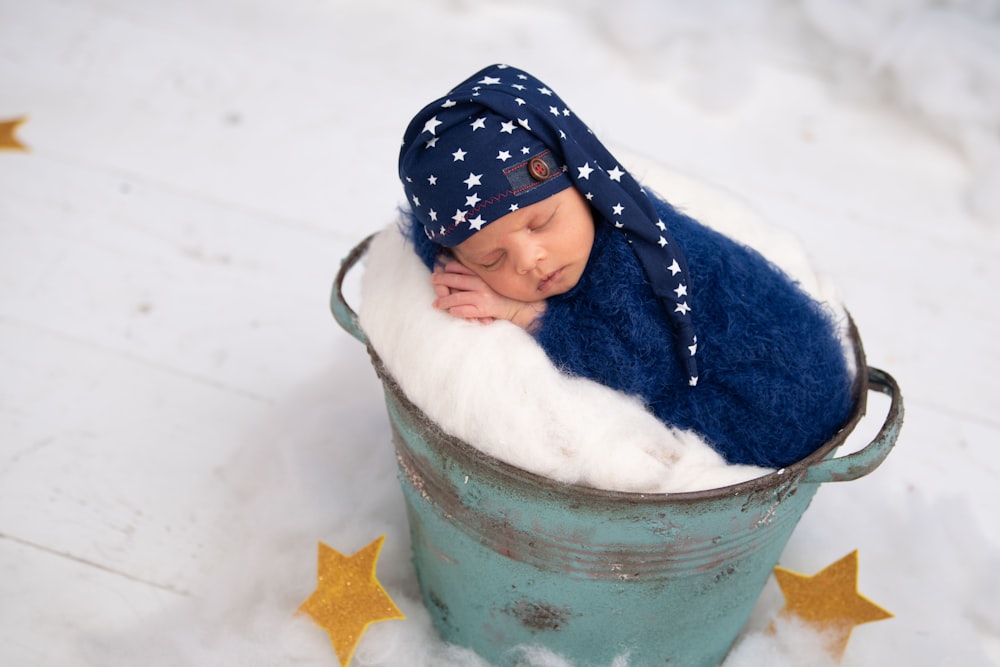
{"x": 181, "y": 419}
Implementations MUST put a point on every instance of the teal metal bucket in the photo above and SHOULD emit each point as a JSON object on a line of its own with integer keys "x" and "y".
{"x": 507, "y": 558}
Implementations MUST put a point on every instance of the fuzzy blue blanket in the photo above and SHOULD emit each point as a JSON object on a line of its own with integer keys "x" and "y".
{"x": 773, "y": 382}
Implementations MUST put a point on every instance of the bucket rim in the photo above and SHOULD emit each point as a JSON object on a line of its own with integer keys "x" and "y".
{"x": 769, "y": 481}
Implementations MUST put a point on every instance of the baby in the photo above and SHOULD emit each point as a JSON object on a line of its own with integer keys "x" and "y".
{"x": 508, "y": 269}
{"x": 525, "y": 216}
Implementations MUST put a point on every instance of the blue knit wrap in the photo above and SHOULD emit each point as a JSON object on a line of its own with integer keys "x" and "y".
{"x": 774, "y": 383}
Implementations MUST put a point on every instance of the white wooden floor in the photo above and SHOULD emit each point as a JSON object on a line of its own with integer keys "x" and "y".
{"x": 173, "y": 391}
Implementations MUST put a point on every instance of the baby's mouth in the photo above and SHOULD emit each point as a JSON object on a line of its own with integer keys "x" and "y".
{"x": 548, "y": 280}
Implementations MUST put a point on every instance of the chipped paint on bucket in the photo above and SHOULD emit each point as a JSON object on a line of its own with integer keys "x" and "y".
{"x": 505, "y": 557}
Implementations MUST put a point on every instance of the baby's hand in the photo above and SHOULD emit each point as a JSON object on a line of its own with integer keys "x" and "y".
{"x": 462, "y": 293}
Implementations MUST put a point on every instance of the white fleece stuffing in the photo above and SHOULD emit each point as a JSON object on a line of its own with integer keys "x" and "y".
{"x": 493, "y": 386}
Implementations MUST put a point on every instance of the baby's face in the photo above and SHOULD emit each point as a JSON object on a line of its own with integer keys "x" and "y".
{"x": 534, "y": 252}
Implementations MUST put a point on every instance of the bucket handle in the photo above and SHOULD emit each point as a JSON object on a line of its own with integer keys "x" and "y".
{"x": 860, "y": 463}
{"x": 344, "y": 314}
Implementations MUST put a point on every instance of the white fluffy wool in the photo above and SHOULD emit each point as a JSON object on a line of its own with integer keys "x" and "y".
{"x": 493, "y": 386}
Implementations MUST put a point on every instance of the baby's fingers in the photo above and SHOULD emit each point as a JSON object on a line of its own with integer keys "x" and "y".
{"x": 457, "y": 281}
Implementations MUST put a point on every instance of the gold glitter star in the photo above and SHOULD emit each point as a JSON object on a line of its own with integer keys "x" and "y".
{"x": 829, "y": 601}
{"x": 7, "y": 139}
{"x": 348, "y": 597}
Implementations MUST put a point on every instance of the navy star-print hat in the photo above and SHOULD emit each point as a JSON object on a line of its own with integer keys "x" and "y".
{"x": 502, "y": 140}
{"x": 469, "y": 166}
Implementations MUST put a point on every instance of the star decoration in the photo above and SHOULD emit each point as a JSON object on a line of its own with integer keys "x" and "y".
{"x": 473, "y": 179}
{"x": 431, "y": 125}
{"x": 616, "y": 174}
{"x": 348, "y": 597}
{"x": 8, "y": 129}
{"x": 829, "y": 600}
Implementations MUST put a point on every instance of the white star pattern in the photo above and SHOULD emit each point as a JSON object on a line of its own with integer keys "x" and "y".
{"x": 585, "y": 171}
{"x": 459, "y": 216}
{"x": 523, "y": 122}
{"x": 554, "y": 111}
{"x": 503, "y": 156}
{"x": 663, "y": 227}
{"x": 433, "y": 215}
{"x": 682, "y": 308}
{"x": 674, "y": 268}
{"x": 544, "y": 91}
{"x": 681, "y": 290}
{"x": 489, "y": 81}
{"x": 431, "y": 143}
{"x": 519, "y": 101}
{"x": 416, "y": 201}
{"x": 432, "y": 179}
{"x": 459, "y": 155}
{"x": 662, "y": 241}
{"x": 448, "y": 104}
{"x": 431, "y": 125}
{"x": 514, "y": 207}
{"x": 507, "y": 127}
{"x": 477, "y": 223}
{"x": 478, "y": 124}
{"x": 616, "y": 174}
{"x": 472, "y": 200}
{"x": 473, "y": 179}
{"x": 617, "y": 209}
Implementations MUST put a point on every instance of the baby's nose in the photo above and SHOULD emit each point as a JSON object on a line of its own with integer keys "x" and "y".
{"x": 529, "y": 257}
